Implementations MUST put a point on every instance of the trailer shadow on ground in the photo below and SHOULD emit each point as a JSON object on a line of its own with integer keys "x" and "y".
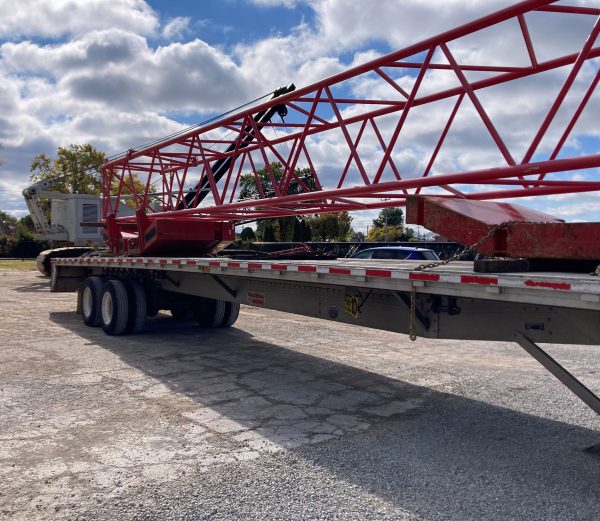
{"x": 411, "y": 446}
{"x": 42, "y": 286}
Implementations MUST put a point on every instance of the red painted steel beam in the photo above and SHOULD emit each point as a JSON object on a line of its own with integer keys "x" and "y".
{"x": 526, "y": 233}
{"x": 472, "y": 177}
{"x": 453, "y": 34}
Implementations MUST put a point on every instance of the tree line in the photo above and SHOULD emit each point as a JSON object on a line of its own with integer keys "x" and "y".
{"x": 17, "y": 237}
{"x": 387, "y": 226}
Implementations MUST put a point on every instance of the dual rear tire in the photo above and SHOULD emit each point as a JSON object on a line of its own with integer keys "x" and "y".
{"x": 212, "y": 313}
{"x": 118, "y": 306}
{"x": 121, "y": 307}
{"x": 114, "y": 308}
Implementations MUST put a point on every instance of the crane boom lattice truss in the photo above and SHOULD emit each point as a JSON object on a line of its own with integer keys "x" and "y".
{"x": 396, "y": 121}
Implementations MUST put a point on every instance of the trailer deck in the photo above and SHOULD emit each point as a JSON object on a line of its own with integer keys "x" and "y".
{"x": 571, "y": 290}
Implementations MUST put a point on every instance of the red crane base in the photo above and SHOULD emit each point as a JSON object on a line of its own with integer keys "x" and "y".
{"x": 168, "y": 236}
{"x": 529, "y": 234}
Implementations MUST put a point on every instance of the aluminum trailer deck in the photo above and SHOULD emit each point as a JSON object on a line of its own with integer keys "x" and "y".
{"x": 449, "y": 301}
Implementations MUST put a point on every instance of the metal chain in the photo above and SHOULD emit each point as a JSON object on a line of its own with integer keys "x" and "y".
{"x": 457, "y": 256}
{"x": 413, "y": 311}
{"x": 460, "y": 254}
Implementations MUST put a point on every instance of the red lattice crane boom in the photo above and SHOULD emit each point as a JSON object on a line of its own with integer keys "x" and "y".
{"x": 405, "y": 124}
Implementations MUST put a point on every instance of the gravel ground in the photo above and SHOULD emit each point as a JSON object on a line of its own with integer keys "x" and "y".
{"x": 281, "y": 417}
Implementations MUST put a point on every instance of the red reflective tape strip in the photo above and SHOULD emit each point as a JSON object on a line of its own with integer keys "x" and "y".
{"x": 175, "y": 261}
{"x": 340, "y": 271}
{"x": 214, "y": 263}
{"x": 546, "y": 284}
{"x": 279, "y": 267}
{"x": 254, "y": 266}
{"x": 233, "y": 264}
{"x": 434, "y": 277}
{"x": 191, "y": 262}
{"x": 378, "y": 273}
{"x": 162, "y": 261}
{"x": 139, "y": 260}
{"x": 471, "y": 279}
{"x": 311, "y": 269}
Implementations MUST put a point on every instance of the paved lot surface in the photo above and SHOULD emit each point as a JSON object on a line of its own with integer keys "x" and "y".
{"x": 281, "y": 417}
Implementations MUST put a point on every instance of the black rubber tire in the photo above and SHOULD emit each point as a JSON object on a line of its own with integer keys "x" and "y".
{"x": 210, "y": 312}
{"x": 232, "y": 311}
{"x": 44, "y": 259}
{"x": 114, "y": 308}
{"x": 181, "y": 313}
{"x": 91, "y": 300}
{"x": 152, "y": 300}
{"x": 138, "y": 311}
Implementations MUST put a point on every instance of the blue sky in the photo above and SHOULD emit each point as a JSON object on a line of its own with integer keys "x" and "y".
{"x": 117, "y": 73}
{"x": 229, "y": 22}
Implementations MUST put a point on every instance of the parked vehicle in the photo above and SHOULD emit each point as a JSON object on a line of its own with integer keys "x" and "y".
{"x": 397, "y": 253}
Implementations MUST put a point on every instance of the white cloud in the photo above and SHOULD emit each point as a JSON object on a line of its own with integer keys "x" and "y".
{"x": 349, "y": 23}
{"x": 119, "y": 69}
{"x": 106, "y": 84}
{"x": 52, "y": 19}
{"x": 176, "y": 28}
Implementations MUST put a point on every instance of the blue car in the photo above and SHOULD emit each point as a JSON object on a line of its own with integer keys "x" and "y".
{"x": 397, "y": 253}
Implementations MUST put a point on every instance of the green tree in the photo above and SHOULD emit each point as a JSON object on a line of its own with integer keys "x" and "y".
{"x": 7, "y": 222}
{"x": 27, "y": 223}
{"x": 389, "y": 233}
{"x": 268, "y": 233}
{"x": 330, "y": 226}
{"x": 282, "y": 227}
{"x": 24, "y": 230}
{"x": 357, "y": 236}
{"x": 389, "y": 226}
{"x": 76, "y": 169}
{"x": 305, "y": 231}
{"x": 385, "y": 234}
{"x": 297, "y": 231}
{"x": 247, "y": 234}
{"x": 250, "y": 189}
{"x": 389, "y": 217}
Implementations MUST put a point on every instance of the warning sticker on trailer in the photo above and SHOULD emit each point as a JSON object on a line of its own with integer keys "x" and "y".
{"x": 351, "y": 305}
{"x": 254, "y": 298}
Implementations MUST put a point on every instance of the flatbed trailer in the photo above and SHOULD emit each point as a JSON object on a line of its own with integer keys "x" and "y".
{"x": 447, "y": 301}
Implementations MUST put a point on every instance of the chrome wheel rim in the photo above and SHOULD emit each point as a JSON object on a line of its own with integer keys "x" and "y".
{"x": 87, "y": 302}
{"x": 107, "y": 307}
